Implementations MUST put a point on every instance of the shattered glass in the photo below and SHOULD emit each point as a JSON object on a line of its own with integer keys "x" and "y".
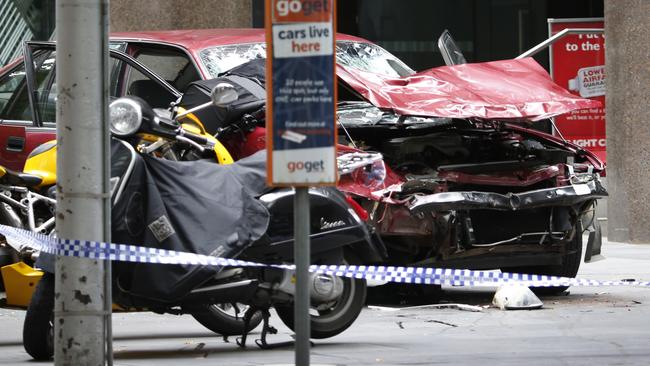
{"x": 359, "y": 55}
{"x": 223, "y": 58}
{"x": 370, "y": 58}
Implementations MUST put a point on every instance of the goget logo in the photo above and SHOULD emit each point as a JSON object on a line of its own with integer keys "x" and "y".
{"x": 302, "y": 10}
{"x": 307, "y": 166}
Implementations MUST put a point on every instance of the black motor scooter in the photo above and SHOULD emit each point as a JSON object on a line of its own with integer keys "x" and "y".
{"x": 218, "y": 210}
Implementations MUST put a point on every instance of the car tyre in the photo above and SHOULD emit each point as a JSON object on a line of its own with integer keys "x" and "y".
{"x": 568, "y": 268}
{"x": 38, "y": 329}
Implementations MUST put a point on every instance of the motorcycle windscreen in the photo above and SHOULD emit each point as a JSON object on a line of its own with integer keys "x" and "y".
{"x": 513, "y": 90}
{"x": 197, "y": 207}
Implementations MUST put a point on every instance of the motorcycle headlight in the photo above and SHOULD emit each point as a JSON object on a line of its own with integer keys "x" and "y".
{"x": 125, "y": 117}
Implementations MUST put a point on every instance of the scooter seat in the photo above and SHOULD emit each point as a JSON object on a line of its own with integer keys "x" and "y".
{"x": 10, "y": 177}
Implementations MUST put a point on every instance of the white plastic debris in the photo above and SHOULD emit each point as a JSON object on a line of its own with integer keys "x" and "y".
{"x": 516, "y": 297}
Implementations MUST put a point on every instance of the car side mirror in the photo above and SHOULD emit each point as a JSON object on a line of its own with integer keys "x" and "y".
{"x": 224, "y": 94}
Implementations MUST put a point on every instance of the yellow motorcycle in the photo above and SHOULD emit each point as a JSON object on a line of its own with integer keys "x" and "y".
{"x": 26, "y": 201}
{"x": 27, "y": 198}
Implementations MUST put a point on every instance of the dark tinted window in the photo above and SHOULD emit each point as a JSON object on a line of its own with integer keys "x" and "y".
{"x": 170, "y": 64}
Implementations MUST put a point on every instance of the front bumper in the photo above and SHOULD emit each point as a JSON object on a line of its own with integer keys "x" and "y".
{"x": 470, "y": 200}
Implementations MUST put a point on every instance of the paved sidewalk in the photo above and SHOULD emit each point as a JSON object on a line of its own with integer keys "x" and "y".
{"x": 589, "y": 326}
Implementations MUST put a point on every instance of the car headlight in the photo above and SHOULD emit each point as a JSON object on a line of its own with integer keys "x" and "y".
{"x": 125, "y": 117}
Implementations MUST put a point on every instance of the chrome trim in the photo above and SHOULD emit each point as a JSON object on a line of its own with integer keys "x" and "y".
{"x": 127, "y": 174}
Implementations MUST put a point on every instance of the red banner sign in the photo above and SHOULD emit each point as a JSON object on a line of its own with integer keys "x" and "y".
{"x": 578, "y": 64}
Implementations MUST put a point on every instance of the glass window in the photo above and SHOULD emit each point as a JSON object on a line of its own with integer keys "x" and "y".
{"x": 45, "y": 98}
{"x": 10, "y": 94}
{"x": 148, "y": 89}
{"x": 118, "y": 46}
{"x": 370, "y": 58}
{"x": 223, "y": 58}
{"x": 170, "y": 64}
{"x": 360, "y": 55}
{"x": 14, "y": 95}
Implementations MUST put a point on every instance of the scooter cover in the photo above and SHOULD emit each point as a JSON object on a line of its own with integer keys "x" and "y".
{"x": 248, "y": 80}
{"x": 196, "y": 206}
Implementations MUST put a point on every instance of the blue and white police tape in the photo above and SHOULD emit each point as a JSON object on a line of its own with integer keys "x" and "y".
{"x": 19, "y": 238}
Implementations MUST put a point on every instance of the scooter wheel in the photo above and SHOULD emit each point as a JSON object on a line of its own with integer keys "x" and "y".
{"x": 38, "y": 329}
{"x": 337, "y": 318}
{"x": 223, "y": 319}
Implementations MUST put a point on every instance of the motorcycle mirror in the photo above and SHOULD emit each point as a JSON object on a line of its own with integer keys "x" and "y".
{"x": 223, "y": 94}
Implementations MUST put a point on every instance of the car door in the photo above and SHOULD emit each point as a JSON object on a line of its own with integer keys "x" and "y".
{"x": 171, "y": 62}
{"x": 28, "y": 96}
{"x": 17, "y": 117}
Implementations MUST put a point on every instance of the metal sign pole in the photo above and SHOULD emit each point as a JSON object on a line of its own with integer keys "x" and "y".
{"x": 301, "y": 251}
{"x": 301, "y": 129}
{"x": 83, "y": 199}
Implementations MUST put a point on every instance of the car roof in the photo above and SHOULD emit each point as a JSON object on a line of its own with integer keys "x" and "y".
{"x": 197, "y": 39}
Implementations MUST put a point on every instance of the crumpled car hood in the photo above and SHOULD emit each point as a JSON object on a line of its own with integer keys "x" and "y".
{"x": 514, "y": 90}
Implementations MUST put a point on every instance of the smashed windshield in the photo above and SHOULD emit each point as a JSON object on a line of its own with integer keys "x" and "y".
{"x": 223, "y": 58}
{"x": 359, "y": 55}
{"x": 370, "y": 58}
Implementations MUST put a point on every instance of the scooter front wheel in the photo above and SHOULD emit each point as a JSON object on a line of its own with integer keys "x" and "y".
{"x": 226, "y": 319}
{"x": 38, "y": 329}
{"x": 339, "y": 316}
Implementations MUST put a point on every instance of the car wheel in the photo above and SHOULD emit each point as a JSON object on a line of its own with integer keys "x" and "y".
{"x": 226, "y": 319}
{"x": 568, "y": 268}
{"x": 38, "y": 329}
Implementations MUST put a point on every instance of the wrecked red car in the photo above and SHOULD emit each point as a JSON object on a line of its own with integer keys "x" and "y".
{"x": 449, "y": 172}
{"x": 443, "y": 163}
{"x": 466, "y": 182}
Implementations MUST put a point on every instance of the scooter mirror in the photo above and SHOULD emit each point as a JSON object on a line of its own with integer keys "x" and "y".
{"x": 224, "y": 94}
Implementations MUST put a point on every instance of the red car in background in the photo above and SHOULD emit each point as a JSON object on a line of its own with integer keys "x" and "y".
{"x": 464, "y": 181}
{"x": 178, "y": 57}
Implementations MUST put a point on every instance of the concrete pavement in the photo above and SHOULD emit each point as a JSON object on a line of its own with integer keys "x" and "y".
{"x": 589, "y": 326}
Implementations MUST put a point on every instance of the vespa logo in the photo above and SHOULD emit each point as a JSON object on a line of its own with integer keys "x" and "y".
{"x": 324, "y": 224}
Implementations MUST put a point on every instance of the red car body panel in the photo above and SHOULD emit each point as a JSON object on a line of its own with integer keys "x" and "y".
{"x": 32, "y": 137}
{"x": 509, "y": 89}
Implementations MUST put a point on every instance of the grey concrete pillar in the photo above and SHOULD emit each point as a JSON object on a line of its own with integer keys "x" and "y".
{"x": 138, "y": 15}
{"x": 627, "y": 57}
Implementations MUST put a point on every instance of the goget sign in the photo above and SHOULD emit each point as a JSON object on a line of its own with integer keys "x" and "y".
{"x": 578, "y": 64}
{"x": 301, "y": 130}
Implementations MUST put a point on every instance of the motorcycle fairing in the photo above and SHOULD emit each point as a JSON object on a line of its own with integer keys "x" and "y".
{"x": 197, "y": 207}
